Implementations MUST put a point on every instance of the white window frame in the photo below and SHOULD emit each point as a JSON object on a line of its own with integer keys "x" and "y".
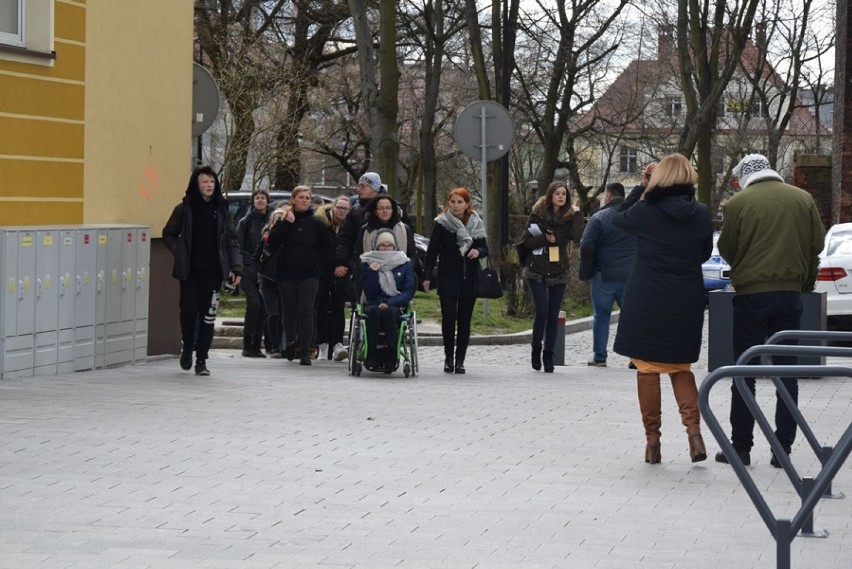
{"x": 19, "y": 39}
{"x": 36, "y": 45}
{"x": 673, "y": 106}
{"x": 628, "y": 160}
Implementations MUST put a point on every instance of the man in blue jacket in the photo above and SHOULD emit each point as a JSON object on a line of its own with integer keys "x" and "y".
{"x": 606, "y": 257}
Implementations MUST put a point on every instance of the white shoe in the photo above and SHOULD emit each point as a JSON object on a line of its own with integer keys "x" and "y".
{"x": 322, "y": 351}
{"x": 340, "y": 352}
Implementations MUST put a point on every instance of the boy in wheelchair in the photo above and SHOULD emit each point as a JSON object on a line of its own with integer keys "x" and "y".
{"x": 388, "y": 282}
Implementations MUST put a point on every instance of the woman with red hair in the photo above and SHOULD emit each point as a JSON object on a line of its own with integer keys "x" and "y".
{"x": 455, "y": 246}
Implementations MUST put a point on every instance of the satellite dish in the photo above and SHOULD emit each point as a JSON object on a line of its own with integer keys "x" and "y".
{"x": 205, "y": 100}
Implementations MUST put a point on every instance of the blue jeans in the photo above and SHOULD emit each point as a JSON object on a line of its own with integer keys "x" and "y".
{"x": 756, "y": 317}
{"x": 604, "y": 293}
{"x": 547, "y": 301}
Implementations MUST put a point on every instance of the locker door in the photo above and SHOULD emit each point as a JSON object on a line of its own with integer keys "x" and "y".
{"x": 47, "y": 301}
{"x": 128, "y": 274}
{"x": 85, "y": 293}
{"x": 101, "y": 296}
{"x": 119, "y": 332}
{"x": 9, "y": 279}
{"x": 66, "y": 285}
{"x": 17, "y": 309}
{"x": 140, "y": 320}
{"x": 26, "y": 282}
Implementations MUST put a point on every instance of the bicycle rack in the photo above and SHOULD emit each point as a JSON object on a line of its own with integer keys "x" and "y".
{"x": 784, "y": 531}
{"x": 822, "y": 453}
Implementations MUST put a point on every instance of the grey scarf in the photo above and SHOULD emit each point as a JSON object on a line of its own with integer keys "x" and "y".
{"x": 465, "y": 233}
{"x": 388, "y": 261}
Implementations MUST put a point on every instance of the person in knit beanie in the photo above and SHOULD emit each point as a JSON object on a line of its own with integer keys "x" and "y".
{"x": 753, "y": 168}
{"x": 771, "y": 237}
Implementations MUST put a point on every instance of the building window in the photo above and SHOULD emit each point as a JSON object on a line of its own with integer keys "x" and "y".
{"x": 26, "y": 31}
{"x": 673, "y": 106}
{"x": 12, "y": 22}
{"x": 629, "y": 162}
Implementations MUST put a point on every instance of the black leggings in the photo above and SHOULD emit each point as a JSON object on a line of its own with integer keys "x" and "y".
{"x": 297, "y": 303}
{"x": 455, "y": 310}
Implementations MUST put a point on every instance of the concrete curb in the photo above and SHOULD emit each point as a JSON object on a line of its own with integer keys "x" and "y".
{"x": 229, "y": 333}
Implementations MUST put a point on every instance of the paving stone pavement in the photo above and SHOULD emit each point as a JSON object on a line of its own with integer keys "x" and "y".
{"x": 268, "y": 464}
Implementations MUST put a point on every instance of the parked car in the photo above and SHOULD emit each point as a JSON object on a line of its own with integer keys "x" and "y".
{"x": 717, "y": 272}
{"x": 833, "y": 278}
{"x": 240, "y": 202}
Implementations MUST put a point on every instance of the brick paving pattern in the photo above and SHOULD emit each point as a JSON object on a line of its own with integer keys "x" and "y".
{"x": 268, "y": 464}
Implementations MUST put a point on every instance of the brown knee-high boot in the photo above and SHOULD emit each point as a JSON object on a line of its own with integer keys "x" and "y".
{"x": 686, "y": 395}
{"x": 649, "y": 404}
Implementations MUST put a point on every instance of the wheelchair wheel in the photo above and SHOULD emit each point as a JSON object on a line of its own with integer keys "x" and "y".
{"x": 355, "y": 340}
{"x": 412, "y": 346}
{"x": 406, "y": 369}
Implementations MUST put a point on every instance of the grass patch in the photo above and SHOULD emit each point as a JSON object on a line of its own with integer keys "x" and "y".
{"x": 428, "y": 308}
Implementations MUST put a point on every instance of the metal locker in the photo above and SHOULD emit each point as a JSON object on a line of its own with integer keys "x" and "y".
{"x": 101, "y": 295}
{"x": 66, "y": 285}
{"x": 17, "y": 310}
{"x": 46, "y": 301}
{"x": 140, "y": 318}
{"x": 85, "y": 290}
{"x": 119, "y": 310}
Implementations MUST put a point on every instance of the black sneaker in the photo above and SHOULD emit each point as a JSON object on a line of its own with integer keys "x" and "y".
{"x": 744, "y": 455}
{"x": 201, "y": 367}
{"x": 775, "y": 462}
{"x": 186, "y": 359}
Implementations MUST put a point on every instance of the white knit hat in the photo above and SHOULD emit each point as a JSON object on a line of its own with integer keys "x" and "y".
{"x": 385, "y": 236}
{"x": 751, "y": 165}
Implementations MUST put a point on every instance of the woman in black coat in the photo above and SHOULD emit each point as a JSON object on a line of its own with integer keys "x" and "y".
{"x": 455, "y": 246}
{"x": 663, "y": 314}
{"x": 249, "y": 231}
{"x": 303, "y": 242}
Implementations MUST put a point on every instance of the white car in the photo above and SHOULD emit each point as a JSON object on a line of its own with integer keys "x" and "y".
{"x": 835, "y": 276}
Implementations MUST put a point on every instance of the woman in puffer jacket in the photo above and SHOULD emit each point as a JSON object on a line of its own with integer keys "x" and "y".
{"x": 553, "y": 223}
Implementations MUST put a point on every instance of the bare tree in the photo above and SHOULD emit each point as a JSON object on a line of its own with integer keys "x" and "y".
{"x": 306, "y": 35}
{"x": 233, "y": 35}
{"x": 380, "y": 103}
{"x": 571, "y": 47}
{"x": 710, "y": 36}
{"x": 430, "y": 25}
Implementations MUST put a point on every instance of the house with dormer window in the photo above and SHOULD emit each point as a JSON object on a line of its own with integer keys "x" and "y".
{"x": 638, "y": 119}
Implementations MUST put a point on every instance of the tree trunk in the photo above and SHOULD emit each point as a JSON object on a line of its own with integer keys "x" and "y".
{"x": 388, "y": 102}
{"x": 367, "y": 65}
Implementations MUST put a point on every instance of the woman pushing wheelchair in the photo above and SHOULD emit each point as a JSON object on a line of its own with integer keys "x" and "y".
{"x": 388, "y": 281}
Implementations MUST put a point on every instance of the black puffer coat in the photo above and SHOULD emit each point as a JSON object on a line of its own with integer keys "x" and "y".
{"x": 567, "y": 225}
{"x": 249, "y": 234}
{"x": 663, "y": 312}
{"x": 302, "y": 243}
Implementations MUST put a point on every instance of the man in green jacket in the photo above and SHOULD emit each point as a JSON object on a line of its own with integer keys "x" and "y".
{"x": 771, "y": 237}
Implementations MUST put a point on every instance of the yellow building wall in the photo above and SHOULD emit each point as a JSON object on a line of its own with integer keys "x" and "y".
{"x": 42, "y": 124}
{"x": 101, "y": 133}
{"x": 138, "y": 110}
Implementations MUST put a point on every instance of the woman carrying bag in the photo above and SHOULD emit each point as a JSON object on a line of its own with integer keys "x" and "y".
{"x": 551, "y": 225}
{"x": 455, "y": 247}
